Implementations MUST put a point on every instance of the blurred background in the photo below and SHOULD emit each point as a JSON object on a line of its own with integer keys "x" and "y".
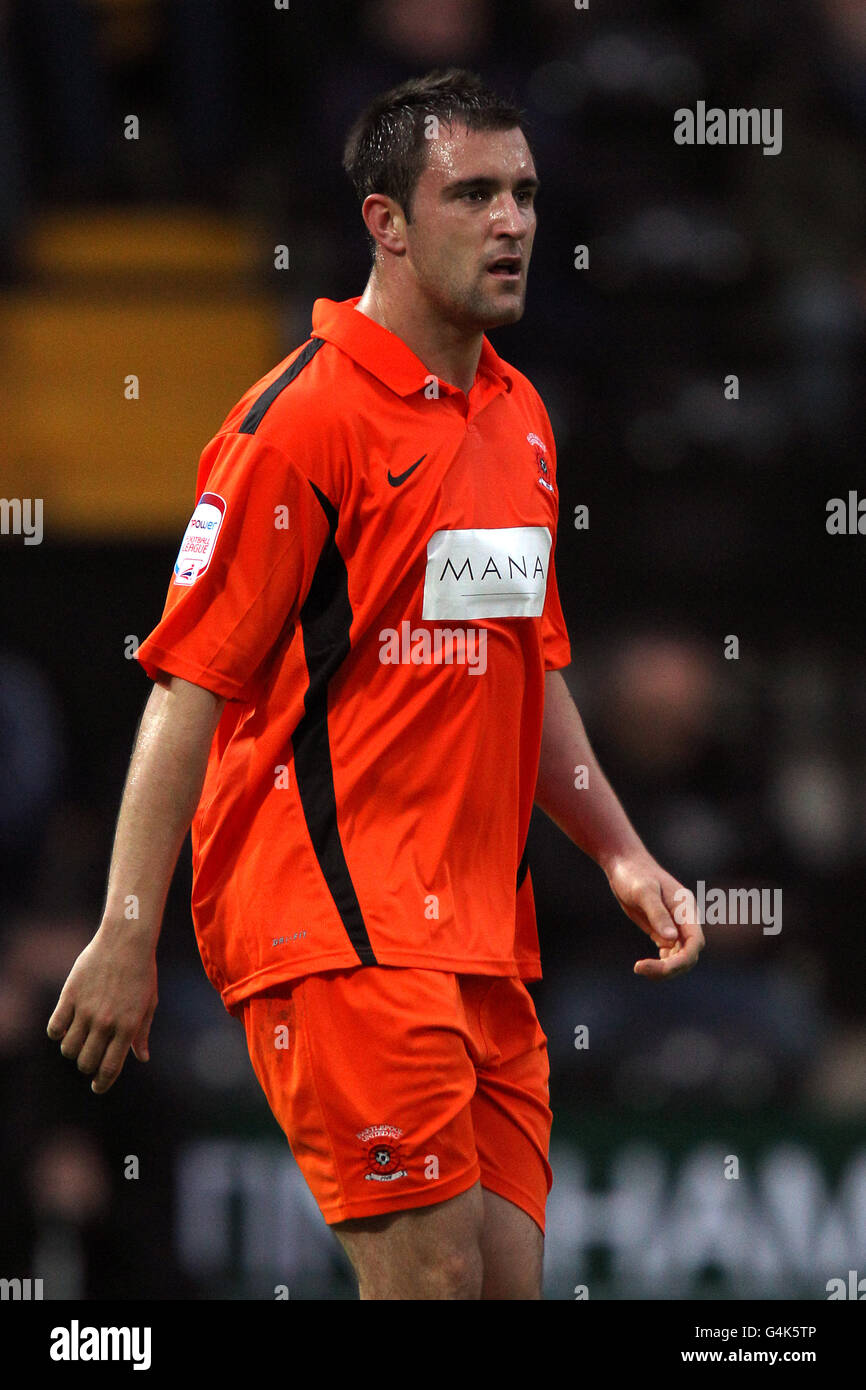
{"x": 152, "y": 157}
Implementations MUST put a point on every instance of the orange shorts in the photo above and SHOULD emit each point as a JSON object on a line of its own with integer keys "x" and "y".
{"x": 399, "y": 1088}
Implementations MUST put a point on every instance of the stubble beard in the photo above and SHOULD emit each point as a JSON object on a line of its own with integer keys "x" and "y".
{"x": 472, "y": 307}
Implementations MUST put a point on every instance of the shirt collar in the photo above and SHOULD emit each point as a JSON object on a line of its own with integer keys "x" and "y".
{"x": 385, "y": 355}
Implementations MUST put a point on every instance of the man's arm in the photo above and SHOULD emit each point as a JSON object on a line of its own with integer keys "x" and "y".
{"x": 593, "y": 818}
{"x": 109, "y": 998}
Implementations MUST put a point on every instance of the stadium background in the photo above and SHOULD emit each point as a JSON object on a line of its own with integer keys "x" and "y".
{"x": 155, "y": 256}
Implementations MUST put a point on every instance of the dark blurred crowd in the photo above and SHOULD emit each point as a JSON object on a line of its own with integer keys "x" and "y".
{"x": 706, "y": 521}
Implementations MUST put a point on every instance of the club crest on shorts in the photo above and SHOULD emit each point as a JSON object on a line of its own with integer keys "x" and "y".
{"x": 384, "y": 1159}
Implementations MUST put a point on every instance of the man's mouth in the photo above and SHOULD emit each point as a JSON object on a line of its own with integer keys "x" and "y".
{"x": 505, "y": 268}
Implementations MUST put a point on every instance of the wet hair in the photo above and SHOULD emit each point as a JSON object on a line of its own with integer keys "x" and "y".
{"x": 386, "y": 149}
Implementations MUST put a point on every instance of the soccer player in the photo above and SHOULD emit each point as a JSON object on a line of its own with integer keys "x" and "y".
{"x": 357, "y": 697}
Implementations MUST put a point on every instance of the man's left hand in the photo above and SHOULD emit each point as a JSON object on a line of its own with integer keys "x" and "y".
{"x": 646, "y": 894}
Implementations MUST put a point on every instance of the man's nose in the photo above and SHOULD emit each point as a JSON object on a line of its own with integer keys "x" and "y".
{"x": 508, "y": 216}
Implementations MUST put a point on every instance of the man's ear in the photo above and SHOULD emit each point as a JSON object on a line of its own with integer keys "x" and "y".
{"x": 384, "y": 215}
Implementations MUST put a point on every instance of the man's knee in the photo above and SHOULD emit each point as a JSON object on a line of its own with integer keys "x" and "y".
{"x": 449, "y": 1274}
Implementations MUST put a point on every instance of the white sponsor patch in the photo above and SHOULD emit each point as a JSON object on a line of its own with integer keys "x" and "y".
{"x": 495, "y": 573}
{"x": 199, "y": 539}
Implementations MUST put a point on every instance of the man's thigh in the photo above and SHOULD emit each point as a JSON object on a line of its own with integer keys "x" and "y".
{"x": 477, "y": 1245}
{"x": 512, "y": 1251}
{"x": 432, "y": 1252}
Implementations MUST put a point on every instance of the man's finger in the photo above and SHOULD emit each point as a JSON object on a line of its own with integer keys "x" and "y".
{"x": 93, "y": 1051}
{"x": 693, "y": 940}
{"x": 74, "y": 1038}
{"x": 111, "y": 1065}
{"x": 674, "y": 962}
{"x": 60, "y": 1020}
{"x": 661, "y": 923}
{"x": 682, "y": 901}
{"x": 662, "y": 969}
{"x": 141, "y": 1043}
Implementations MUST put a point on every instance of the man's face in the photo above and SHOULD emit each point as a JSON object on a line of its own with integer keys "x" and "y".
{"x": 474, "y": 206}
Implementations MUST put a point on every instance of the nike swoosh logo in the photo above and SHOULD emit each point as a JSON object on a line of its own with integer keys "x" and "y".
{"x": 401, "y": 477}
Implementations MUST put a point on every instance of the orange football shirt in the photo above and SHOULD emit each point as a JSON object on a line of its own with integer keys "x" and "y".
{"x": 368, "y": 579}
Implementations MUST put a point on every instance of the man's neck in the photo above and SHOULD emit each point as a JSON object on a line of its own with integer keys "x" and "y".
{"x": 446, "y": 351}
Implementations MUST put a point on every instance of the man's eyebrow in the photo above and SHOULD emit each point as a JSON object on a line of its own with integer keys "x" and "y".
{"x": 463, "y": 185}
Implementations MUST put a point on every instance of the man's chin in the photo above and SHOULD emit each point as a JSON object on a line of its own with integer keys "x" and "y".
{"x": 504, "y": 308}
{"x": 480, "y": 311}
{"x": 507, "y": 314}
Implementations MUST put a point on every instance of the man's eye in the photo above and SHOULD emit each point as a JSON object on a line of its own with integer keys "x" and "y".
{"x": 475, "y": 193}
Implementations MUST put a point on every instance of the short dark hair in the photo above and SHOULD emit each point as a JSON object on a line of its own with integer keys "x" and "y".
{"x": 386, "y": 149}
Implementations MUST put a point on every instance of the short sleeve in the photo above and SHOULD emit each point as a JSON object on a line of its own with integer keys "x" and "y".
{"x": 554, "y": 634}
{"x": 555, "y": 641}
{"x": 245, "y": 565}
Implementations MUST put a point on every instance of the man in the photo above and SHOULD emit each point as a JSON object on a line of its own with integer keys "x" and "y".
{"x": 357, "y": 685}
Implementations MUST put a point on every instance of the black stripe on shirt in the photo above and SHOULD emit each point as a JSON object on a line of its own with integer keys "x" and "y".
{"x": 325, "y": 619}
{"x": 522, "y": 867}
{"x": 256, "y": 412}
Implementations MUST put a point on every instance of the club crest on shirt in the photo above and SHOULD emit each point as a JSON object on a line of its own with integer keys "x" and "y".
{"x": 540, "y": 450}
{"x": 197, "y": 546}
{"x": 385, "y": 1162}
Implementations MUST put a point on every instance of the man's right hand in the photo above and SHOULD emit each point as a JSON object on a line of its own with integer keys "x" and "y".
{"x": 108, "y": 1001}
{"x": 107, "y": 1004}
